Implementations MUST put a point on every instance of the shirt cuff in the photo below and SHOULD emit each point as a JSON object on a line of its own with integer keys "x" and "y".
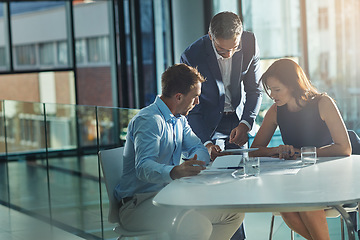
{"x": 166, "y": 173}
{"x": 247, "y": 124}
{"x": 206, "y": 143}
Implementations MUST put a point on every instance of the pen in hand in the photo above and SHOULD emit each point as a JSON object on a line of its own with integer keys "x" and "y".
{"x": 188, "y": 159}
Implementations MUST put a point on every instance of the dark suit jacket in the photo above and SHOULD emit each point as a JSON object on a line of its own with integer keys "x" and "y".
{"x": 245, "y": 76}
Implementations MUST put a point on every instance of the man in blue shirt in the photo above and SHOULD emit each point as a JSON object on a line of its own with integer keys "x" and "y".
{"x": 157, "y": 137}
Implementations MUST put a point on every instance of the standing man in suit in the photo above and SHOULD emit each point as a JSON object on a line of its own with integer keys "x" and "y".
{"x": 228, "y": 58}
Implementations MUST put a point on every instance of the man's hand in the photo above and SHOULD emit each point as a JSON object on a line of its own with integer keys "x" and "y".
{"x": 190, "y": 167}
{"x": 239, "y": 135}
{"x": 214, "y": 151}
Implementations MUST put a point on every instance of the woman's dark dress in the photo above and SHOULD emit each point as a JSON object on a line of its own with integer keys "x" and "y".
{"x": 305, "y": 127}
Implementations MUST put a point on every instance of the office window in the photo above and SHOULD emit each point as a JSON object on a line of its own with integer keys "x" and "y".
{"x": 47, "y": 53}
{"x": 333, "y": 49}
{"x": 25, "y": 55}
{"x": 228, "y": 5}
{"x": 276, "y": 25}
{"x": 98, "y": 50}
{"x": 94, "y": 76}
{"x": 4, "y": 61}
{"x": 40, "y": 24}
{"x": 148, "y": 51}
{"x": 62, "y": 53}
{"x": 80, "y": 51}
{"x": 2, "y": 57}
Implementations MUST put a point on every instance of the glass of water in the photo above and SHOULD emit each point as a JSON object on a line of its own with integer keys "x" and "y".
{"x": 308, "y": 155}
{"x": 251, "y": 166}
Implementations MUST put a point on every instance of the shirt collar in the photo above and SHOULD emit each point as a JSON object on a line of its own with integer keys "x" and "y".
{"x": 218, "y": 56}
{"x": 165, "y": 111}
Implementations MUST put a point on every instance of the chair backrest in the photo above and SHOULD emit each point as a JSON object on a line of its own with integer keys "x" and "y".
{"x": 112, "y": 165}
{"x": 355, "y": 142}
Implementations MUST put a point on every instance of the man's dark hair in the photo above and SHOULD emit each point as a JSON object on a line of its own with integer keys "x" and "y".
{"x": 225, "y": 25}
{"x": 179, "y": 78}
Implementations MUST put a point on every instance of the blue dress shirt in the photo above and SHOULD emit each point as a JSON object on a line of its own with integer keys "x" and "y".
{"x": 154, "y": 143}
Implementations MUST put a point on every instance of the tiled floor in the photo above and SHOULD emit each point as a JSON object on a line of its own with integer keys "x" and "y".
{"x": 75, "y": 205}
{"x": 18, "y": 226}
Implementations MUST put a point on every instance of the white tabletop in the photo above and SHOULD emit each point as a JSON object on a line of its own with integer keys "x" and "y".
{"x": 332, "y": 181}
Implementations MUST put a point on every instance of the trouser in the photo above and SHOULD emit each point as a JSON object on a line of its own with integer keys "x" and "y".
{"x": 140, "y": 214}
{"x": 221, "y": 138}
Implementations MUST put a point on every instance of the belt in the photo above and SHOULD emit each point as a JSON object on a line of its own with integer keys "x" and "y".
{"x": 229, "y": 113}
{"x": 124, "y": 200}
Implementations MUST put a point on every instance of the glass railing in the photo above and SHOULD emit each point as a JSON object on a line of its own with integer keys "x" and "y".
{"x": 49, "y": 165}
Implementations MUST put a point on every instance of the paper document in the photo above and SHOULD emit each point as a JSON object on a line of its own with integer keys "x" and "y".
{"x": 276, "y": 166}
{"x": 226, "y": 161}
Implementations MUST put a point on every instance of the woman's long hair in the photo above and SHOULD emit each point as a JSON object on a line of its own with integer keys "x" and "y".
{"x": 289, "y": 73}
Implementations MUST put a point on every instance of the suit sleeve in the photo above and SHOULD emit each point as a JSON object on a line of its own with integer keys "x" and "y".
{"x": 252, "y": 88}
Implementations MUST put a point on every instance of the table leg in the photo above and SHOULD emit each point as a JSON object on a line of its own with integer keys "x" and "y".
{"x": 347, "y": 219}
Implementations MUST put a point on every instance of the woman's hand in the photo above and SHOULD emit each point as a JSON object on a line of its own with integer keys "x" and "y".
{"x": 286, "y": 152}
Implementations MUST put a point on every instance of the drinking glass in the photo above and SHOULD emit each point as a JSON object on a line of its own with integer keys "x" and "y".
{"x": 308, "y": 155}
{"x": 251, "y": 166}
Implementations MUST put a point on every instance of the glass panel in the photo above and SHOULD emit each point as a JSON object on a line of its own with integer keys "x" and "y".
{"x": 86, "y": 117}
{"x": 148, "y": 55}
{"x": 26, "y": 143}
{"x": 4, "y": 191}
{"x": 128, "y": 101}
{"x": 62, "y": 126}
{"x": 94, "y": 86}
{"x": 276, "y": 25}
{"x": 163, "y": 51}
{"x": 74, "y": 179}
{"x": 25, "y": 127}
{"x": 33, "y": 35}
{"x": 227, "y": 5}
{"x": 333, "y": 51}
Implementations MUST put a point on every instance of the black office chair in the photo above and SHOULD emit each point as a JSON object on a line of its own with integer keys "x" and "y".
{"x": 355, "y": 142}
{"x": 355, "y": 145}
